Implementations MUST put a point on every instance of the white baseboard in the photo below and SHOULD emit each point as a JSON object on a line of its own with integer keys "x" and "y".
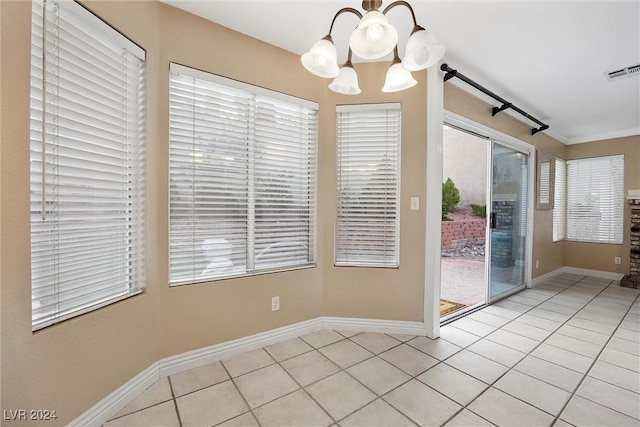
{"x": 547, "y": 276}
{"x": 102, "y": 411}
{"x": 593, "y": 273}
{"x": 609, "y": 275}
{"x": 373, "y": 325}
{"x": 203, "y": 356}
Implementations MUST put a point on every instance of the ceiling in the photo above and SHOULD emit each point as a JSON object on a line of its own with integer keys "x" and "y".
{"x": 546, "y": 57}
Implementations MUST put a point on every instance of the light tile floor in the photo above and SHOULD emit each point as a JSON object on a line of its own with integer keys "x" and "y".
{"x": 564, "y": 353}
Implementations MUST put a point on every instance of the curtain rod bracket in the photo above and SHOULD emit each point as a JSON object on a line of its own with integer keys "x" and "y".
{"x": 540, "y": 129}
{"x": 450, "y": 75}
{"x": 496, "y": 110}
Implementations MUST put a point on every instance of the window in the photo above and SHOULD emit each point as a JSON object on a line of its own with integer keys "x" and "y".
{"x": 242, "y": 171}
{"x": 560, "y": 201}
{"x": 368, "y": 185}
{"x": 595, "y": 199}
{"x": 87, "y": 163}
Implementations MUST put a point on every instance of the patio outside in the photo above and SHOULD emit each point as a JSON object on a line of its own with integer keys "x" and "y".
{"x": 462, "y": 262}
{"x": 463, "y": 237}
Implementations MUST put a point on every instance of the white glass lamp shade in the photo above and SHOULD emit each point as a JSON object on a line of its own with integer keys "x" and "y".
{"x": 422, "y": 51}
{"x": 346, "y": 82}
{"x": 398, "y": 78}
{"x": 374, "y": 37}
{"x": 322, "y": 59}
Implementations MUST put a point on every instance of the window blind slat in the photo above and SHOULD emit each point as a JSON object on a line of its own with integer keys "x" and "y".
{"x": 87, "y": 168}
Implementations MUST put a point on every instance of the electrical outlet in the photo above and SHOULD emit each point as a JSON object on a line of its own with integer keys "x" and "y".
{"x": 275, "y": 303}
{"x": 617, "y": 260}
{"x": 537, "y": 263}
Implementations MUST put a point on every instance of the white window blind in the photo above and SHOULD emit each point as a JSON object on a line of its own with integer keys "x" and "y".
{"x": 368, "y": 185}
{"x": 87, "y": 163}
{"x": 595, "y": 199}
{"x": 560, "y": 201}
{"x": 523, "y": 203}
{"x": 544, "y": 182}
{"x": 242, "y": 170}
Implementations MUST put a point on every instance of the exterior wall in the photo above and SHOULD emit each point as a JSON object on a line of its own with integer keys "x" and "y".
{"x": 600, "y": 256}
{"x": 456, "y": 234}
{"x": 464, "y": 160}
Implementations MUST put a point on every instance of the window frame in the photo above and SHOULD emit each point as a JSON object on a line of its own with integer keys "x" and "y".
{"x": 617, "y": 237}
{"x": 340, "y": 255}
{"x": 559, "y": 230}
{"x": 255, "y": 94}
{"x": 65, "y": 201}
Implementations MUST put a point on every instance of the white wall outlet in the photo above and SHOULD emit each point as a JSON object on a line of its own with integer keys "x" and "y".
{"x": 617, "y": 260}
{"x": 537, "y": 263}
{"x": 415, "y": 203}
{"x": 275, "y": 303}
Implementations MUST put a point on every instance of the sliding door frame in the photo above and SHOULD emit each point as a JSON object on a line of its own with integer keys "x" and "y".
{"x": 489, "y": 233}
{"x": 433, "y": 223}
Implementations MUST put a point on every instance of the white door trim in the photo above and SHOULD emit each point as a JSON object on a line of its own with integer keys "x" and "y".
{"x": 435, "y": 117}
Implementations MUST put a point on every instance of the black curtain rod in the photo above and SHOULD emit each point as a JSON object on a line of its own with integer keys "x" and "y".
{"x": 451, "y": 73}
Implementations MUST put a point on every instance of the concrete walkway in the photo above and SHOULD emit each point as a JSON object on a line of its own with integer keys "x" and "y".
{"x": 463, "y": 280}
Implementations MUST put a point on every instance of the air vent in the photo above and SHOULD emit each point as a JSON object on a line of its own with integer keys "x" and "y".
{"x": 627, "y": 72}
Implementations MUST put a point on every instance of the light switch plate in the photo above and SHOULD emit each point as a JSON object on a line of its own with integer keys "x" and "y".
{"x": 415, "y": 203}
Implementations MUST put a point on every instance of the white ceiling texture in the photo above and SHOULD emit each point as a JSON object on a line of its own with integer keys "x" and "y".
{"x": 548, "y": 58}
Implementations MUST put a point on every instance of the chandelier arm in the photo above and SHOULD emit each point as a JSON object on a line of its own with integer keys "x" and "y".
{"x": 341, "y": 11}
{"x": 349, "y": 56}
{"x": 396, "y": 57}
{"x": 402, "y": 3}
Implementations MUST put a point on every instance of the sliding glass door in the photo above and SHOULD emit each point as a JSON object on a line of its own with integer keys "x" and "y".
{"x": 485, "y": 245}
{"x": 507, "y": 221}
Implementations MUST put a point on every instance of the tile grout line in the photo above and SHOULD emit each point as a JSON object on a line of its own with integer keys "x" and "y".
{"x": 378, "y": 396}
{"x": 303, "y": 388}
{"x": 595, "y": 360}
{"x": 240, "y": 393}
{"x": 529, "y": 354}
{"x": 490, "y": 385}
{"x": 175, "y": 402}
{"x": 556, "y": 417}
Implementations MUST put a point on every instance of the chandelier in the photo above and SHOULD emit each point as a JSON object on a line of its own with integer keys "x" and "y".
{"x": 374, "y": 38}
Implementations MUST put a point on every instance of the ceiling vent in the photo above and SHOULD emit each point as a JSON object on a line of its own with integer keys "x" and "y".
{"x": 627, "y": 72}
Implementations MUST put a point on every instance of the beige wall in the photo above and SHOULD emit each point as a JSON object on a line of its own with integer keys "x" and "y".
{"x": 379, "y": 293}
{"x": 215, "y": 312}
{"x": 72, "y": 365}
{"x": 550, "y": 255}
{"x": 598, "y": 256}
